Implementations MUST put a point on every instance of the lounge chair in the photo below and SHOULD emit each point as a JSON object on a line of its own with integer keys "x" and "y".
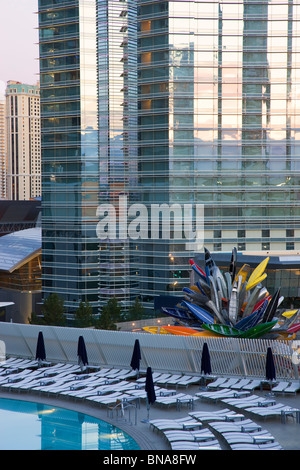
{"x": 220, "y": 415}
{"x": 221, "y": 394}
{"x": 14, "y": 377}
{"x": 280, "y": 387}
{"x": 275, "y": 410}
{"x": 108, "y": 399}
{"x": 172, "y": 380}
{"x": 28, "y": 378}
{"x": 177, "y": 400}
{"x": 186, "y": 381}
{"x": 189, "y": 445}
{"x": 229, "y": 383}
{"x": 236, "y": 437}
{"x": 198, "y": 436}
{"x": 254, "y": 400}
{"x": 241, "y": 384}
{"x": 155, "y": 376}
{"x": 267, "y": 446}
{"x": 216, "y": 383}
{"x": 292, "y": 388}
{"x": 179, "y": 424}
{"x": 246, "y": 425}
{"x": 252, "y": 385}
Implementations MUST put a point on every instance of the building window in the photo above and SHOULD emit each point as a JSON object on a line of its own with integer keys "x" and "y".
{"x": 290, "y": 246}
{"x": 241, "y": 246}
{"x": 241, "y": 233}
{"x": 217, "y": 246}
{"x": 217, "y": 233}
{"x": 265, "y": 233}
{"x": 290, "y": 232}
{"x": 265, "y": 246}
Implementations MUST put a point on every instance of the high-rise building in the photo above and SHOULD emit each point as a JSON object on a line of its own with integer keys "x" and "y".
{"x": 175, "y": 102}
{"x": 2, "y": 150}
{"x": 23, "y": 141}
{"x": 219, "y": 117}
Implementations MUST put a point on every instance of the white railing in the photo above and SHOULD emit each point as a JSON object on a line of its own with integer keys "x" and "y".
{"x": 229, "y": 356}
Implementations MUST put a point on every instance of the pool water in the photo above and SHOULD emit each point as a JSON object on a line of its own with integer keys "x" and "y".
{"x": 34, "y": 426}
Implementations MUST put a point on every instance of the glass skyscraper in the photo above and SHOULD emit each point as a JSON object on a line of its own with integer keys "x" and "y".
{"x": 175, "y": 102}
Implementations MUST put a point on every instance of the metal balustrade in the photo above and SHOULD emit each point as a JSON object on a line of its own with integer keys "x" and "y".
{"x": 174, "y": 354}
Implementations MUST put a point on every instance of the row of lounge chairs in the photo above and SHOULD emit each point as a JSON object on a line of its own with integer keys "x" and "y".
{"x": 259, "y": 406}
{"x": 103, "y": 387}
{"x": 174, "y": 380}
{"x": 253, "y": 384}
{"x": 207, "y": 430}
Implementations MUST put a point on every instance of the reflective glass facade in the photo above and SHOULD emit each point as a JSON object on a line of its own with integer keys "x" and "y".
{"x": 165, "y": 102}
{"x": 70, "y": 163}
{"x": 219, "y": 124}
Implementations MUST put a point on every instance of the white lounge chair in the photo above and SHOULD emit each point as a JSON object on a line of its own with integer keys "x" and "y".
{"x": 241, "y": 384}
{"x": 108, "y": 399}
{"x": 259, "y": 437}
{"x": 172, "y": 380}
{"x": 272, "y": 411}
{"x": 220, "y": 415}
{"x": 186, "y": 381}
{"x": 246, "y": 425}
{"x": 252, "y": 385}
{"x": 280, "y": 387}
{"x": 187, "y": 445}
{"x": 177, "y": 400}
{"x": 198, "y": 436}
{"x": 28, "y": 378}
{"x": 222, "y": 394}
{"x": 179, "y": 424}
{"x": 246, "y": 402}
{"x": 292, "y": 388}
{"x": 229, "y": 383}
{"x": 216, "y": 383}
{"x": 267, "y": 446}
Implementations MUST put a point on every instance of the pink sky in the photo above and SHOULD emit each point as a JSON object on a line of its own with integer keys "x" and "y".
{"x": 18, "y": 42}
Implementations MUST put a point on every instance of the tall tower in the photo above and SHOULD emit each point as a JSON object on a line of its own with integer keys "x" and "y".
{"x": 2, "y": 150}
{"x": 218, "y": 122}
{"x": 23, "y": 141}
{"x": 87, "y": 113}
{"x": 69, "y": 146}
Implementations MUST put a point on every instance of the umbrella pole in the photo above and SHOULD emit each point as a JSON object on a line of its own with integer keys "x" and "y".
{"x": 146, "y": 420}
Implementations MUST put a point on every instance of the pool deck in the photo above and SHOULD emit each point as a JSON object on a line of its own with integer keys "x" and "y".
{"x": 286, "y": 434}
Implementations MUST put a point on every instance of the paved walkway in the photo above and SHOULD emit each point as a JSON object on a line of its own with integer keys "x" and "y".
{"x": 288, "y": 434}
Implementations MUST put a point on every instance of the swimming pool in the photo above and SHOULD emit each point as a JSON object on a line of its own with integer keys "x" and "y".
{"x": 35, "y": 426}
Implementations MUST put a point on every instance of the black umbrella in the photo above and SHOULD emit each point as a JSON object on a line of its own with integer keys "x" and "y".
{"x": 149, "y": 388}
{"x": 81, "y": 352}
{"x": 205, "y": 360}
{"x": 270, "y": 367}
{"x": 40, "y": 354}
{"x": 136, "y": 356}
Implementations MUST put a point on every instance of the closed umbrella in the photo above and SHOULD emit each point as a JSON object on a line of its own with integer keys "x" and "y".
{"x": 81, "y": 353}
{"x": 40, "y": 354}
{"x": 150, "y": 391}
{"x": 136, "y": 356}
{"x": 270, "y": 367}
{"x": 205, "y": 362}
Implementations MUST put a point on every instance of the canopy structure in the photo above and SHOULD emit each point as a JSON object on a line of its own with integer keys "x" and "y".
{"x": 18, "y": 248}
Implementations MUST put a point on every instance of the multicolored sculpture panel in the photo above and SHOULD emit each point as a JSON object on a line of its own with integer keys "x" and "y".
{"x": 232, "y": 304}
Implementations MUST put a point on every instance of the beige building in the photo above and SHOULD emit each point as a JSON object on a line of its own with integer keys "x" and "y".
{"x": 2, "y": 150}
{"x": 23, "y": 141}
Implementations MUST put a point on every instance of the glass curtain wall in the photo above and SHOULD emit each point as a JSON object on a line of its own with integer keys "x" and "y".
{"x": 70, "y": 164}
{"x": 218, "y": 122}
{"x": 117, "y": 85}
